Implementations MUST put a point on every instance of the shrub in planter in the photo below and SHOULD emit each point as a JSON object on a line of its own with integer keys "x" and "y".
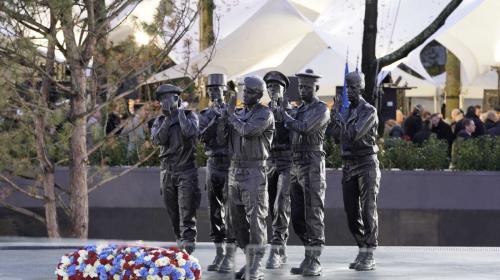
{"x": 398, "y": 153}
{"x": 481, "y": 153}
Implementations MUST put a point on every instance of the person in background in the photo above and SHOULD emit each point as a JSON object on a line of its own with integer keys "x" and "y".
{"x": 442, "y": 129}
{"x": 471, "y": 114}
{"x": 413, "y": 123}
{"x": 423, "y": 134}
{"x": 478, "y": 111}
{"x": 468, "y": 130}
{"x": 456, "y": 121}
{"x": 393, "y": 129}
{"x": 490, "y": 119}
{"x": 400, "y": 117}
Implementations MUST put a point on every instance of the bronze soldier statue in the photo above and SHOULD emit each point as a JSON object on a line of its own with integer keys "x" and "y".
{"x": 308, "y": 184}
{"x": 357, "y": 134}
{"x": 250, "y": 135}
{"x": 176, "y": 131}
{"x": 216, "y": 178}
{"x": 278, "y": 173}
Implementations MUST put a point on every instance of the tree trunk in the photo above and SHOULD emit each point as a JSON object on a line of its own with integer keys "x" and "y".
{"x": 206, "y": 40}
{"x": 77, "y": 61}
{"x": 369, "y": 59}
{"x": 78, "y": 154}
{"x": 452, "y": 87}
{"x": 46, "y": 165}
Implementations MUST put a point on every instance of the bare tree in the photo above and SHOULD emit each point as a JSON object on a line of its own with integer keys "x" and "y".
{"x": 371, "y": 65}
{"x": 84, "y": 26}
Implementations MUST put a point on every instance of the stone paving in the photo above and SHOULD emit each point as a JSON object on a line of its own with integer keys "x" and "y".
{"x": 36, "y": 259}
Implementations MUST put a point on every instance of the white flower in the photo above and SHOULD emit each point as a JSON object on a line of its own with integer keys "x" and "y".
{"x": 193, "y": 259}
{"x": 131, "y": 262}
{"x": 65, "y": 261}
{"x": 90, "y": 271}
{"x": 137, "y": 272}
{"x": 182, "y": 271}
{"x": 151, "y": 271}
{"x": 165, "y": 278}
{"x": 82, "y": 253}
{"x": 61, "y": 272}
{"x": 100, "y": 247}
{"x": 162, "y": 262}
{"x": 108, "y": 267}
{"x": 79, "y": 260}
{"x": 122, "y": 262}
{"x": 147, "y": 258}
{"x": 181, "y": 262}
{"x": 153, "y": 277}
{"x": 110, "y": 257}
{"x": 116, "y": 277}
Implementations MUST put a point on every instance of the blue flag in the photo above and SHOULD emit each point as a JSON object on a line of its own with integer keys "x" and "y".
{"x": 345, "y": 100}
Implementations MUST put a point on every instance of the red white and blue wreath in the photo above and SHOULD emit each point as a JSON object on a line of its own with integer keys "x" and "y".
{"x": 111, "y": 262}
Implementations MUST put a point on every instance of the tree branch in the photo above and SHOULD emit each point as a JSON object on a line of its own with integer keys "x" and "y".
{"x": 19, "y": 189}
{"x": 23, "y": 211}
{"x": 404, "y": 50}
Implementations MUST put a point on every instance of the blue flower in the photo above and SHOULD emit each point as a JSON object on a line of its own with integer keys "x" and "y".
{"x": 101, "y": 269}
{"x": 189, "y": 274}
{"x": 143, "y": 272}
{"x": 71, "y": 270}
{"x": 90, "y": 248}
{"x": 139, "y": 260}
{"x": 166, "y": 270}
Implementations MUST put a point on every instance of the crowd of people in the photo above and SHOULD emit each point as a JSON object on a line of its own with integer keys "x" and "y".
{"x": 421, "y": 124}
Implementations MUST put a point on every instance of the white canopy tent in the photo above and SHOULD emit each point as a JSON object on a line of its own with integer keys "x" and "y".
{"x": 296, "y": 34}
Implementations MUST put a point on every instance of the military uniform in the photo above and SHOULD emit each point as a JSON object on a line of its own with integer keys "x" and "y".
{"x": 250, "y": 134}
{"x": 361, "y": 173}
{"x": 307, "y": 124}
{"x": 278, "y": 176}
{"x": 177, "y": 136}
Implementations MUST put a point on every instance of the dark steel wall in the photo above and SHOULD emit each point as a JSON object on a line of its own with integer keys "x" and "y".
{"x": 427, "y": 208}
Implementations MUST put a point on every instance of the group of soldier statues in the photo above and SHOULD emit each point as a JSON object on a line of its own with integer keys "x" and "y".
{"x": 268, "y": 160}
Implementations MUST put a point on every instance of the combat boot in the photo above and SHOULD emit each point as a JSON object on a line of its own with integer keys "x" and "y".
{"x": 227, "y": 264}
{"x": 303, "y": 264}
{"x": 240, "y": 275}
{"x": 255, "y": 271}
{"x": 359, "y": 257}
{"x": 313, "y": 267}
{"x": 283, "y": 255}
{"x": 274, "y": 261}
{"x": 219, "y": 257}
{"x": 367, "y": 262}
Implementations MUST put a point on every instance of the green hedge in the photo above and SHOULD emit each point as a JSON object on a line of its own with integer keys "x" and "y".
{"x": 481, "y": 153}
{"x": 474, "y": 154}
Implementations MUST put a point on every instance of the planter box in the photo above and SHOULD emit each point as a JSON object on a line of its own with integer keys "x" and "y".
{"x": 426, "y": 208}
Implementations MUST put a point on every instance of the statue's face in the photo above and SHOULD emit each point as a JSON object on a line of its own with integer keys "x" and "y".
{"x": 307, "y": 89}
{"x": 171, "y": 102}
{"x": 275, "y": 90}
{"x": 354, "y": 88}
{"x": 250, "y": 96}
{"x": 215, "y": 93}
